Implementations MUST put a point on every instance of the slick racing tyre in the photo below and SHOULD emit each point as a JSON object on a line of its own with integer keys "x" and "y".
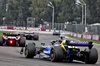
{"x": 36, "y": 37}
{"x": 30, "y": 50}
{"x": 57, "y": 54}
{"x": 22, "y": 42}
{"x": 22, "y": 34}
{"x": 1, "y": 41}
{"x": 56, "y": 33}
{"x": 92, "y": 57}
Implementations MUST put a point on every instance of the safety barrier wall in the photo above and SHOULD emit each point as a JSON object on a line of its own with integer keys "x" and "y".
{"x": 3, "y": 27}
{"x": 96, "y": 37}
{"x": 90, "y": 37}
{"x": 22, "y": 28}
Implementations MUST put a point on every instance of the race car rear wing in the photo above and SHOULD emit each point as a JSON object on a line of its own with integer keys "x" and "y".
{"x": 10, "y": 34}
{"x": 79, "y": 43}
{"x": 28, "y": 32}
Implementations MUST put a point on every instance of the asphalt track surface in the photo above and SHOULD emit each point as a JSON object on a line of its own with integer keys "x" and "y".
{"x": 10, "y": 56}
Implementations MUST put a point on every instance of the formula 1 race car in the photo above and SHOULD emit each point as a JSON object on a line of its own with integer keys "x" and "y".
{"x": 31, "y": 36}
{"x": 56, "y": 33}
{"x": 11, "y": 39}
{"x": 63, "y": 50}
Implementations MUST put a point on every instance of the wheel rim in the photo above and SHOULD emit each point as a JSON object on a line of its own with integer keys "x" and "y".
{"x": 52, "y": 55}
{"x": 26, "y": 51}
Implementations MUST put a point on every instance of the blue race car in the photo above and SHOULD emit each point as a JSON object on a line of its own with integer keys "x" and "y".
{"x": 63, "y": 50}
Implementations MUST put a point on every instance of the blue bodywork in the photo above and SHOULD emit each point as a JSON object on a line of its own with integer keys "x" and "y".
{"x": 67, "y": 49}
{"x": 47, "y": 48}
{"x": 78, "y": 43}
{"x": 47, "y": 51}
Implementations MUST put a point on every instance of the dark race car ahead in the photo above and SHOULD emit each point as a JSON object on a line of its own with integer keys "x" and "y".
{"x": 10, "y": 39}
{"x": 30, "y": 36}
{"x": 64, "y": 50}
{"x": 56, "y": 33}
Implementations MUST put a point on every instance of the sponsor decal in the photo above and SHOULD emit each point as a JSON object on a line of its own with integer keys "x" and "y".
{"x": 19, "y": 28}
{"x": 34, "y": 29}
{"x": 79, "y": 42}
{"x": 46, "y": 51}
{"x": 12, "y": 37}
{"x": 3, "y": 27}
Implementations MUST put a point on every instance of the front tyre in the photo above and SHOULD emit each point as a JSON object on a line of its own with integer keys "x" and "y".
{"x": 36, "y": 37}
{"x": 57, "y": 54}
{"x": 30, "y": 50}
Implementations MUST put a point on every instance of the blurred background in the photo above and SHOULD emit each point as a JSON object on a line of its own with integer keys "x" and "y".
{"x": 77, "y": 16}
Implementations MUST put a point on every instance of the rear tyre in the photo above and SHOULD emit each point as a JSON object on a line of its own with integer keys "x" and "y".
{"x": 36, "y": 37}
{"x": 58, "y": 33}
{"x": 22, "y": 35}
{"x": 1, "y": 41}
{"x": 92, "y": 57}
{"x": 54, "y": 33}
{"x": 22, "y": 42}
{"x": 30, "y": 50}
{"x": 57, "y": 54}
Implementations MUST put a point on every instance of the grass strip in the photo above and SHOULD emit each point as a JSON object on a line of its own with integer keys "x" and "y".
{"x": 1, "y": 32}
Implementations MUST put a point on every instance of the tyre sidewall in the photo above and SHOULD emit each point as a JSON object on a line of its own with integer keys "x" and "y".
{"x": 58, "y": 54}
{"x": 36, "y": 37}
{"x": 92, "y": 57}
{"x": 1, "y": 41}
{"x": 30, "y": 50}
{"x": 22, "y": 42}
